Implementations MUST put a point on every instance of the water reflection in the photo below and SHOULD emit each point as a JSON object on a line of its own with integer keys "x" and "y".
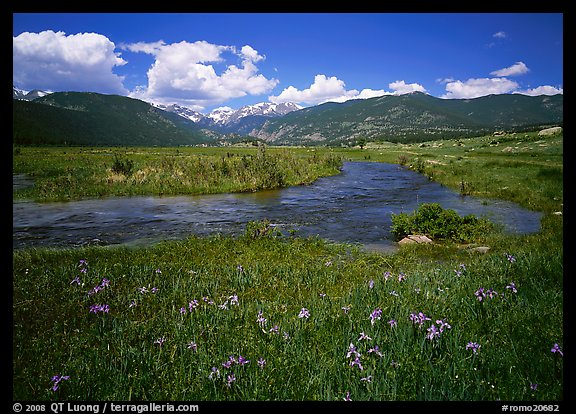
{"x": 354, "y": 206}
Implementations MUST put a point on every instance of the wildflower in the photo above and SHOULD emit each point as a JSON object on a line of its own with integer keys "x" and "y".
{"x": 105, "y": 283}
{"x": 394, "y": 293}
{"x": 182, "y": 310}
{"x": 346, "y": 309}
{"x": 160, "y": 341}
{"x": 230, "y": 379}
{"x": 556, "y": 349}
{"x": 512, "y": 287}
{"x": 261, "y": 319}
{"x": 154, "y": 290}
{"x": 215, "y": 373}
{"x": 533, "y": 387}
{"x": 193, "y": 346}
{"x": 367, "y": 379}
{"x": 364, "y": 336}
{"x": 322, "y": 295}
{"x": 57, "y": 379}
{"x": 304, "y": 313}
{"x": 76, "y": 280}
{"x": 376, "y": 314}
{"x": 371, "y": 284}
{"x": 491, "y": 293}
{"x": 443, "y": 325}
{"x": 261, "y": 362}
{"x": 143, "y": 290}
{"x": 132, "y": 304}
{"x": 285, "y": 334}
{"x": 480, "y": 295}
{"x": 357, "y": 363}
{"x": 99, "y": 308}
{"x": 158, "y": 271}
{"x": 242, "y": 361}
{"x": 419, "y": 318}
{"x": 94, "y": 290}
{"x": 274, "y": 329}
{"x": 233, "y": 300}
{"x": 475, "y": 347}
{"x": 387, "y": 275}
{"x": 347, "y": 396}
{"x": 352, "y": 350}
{"x": 433, "y": 332}
{"x": 227, "y": 364}
{"x": 375, "y": 350}
{"x": 510, "y": 258}
{"x": 401, "y": 277}
{"x": 392, "y": 323}
{"x": 224, "y": 306}
{"x": 192, "y": 305}
{"x": 328, "y": 263}
{"x": 240, "y": 268}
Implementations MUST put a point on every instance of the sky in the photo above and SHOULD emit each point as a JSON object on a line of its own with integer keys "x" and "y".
{"x": 210, "y": 60}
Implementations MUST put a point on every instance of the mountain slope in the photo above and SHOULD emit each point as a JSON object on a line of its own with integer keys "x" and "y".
{"x": 85, "y": 118}
{"x": 411, "y": 117}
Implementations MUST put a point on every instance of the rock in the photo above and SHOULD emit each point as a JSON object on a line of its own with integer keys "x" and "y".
{"x": 415, "y": 238}
{"x": 550, "y": 131}
{"x": 480, "y": 249}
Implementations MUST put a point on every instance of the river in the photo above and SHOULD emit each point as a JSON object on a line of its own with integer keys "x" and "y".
{"x": 354, "y": 206}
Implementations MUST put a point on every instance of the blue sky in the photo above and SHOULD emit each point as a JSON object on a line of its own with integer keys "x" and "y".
{"x": 205, "y": 61}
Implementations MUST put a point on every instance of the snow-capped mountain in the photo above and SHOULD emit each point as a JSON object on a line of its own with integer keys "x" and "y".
{"x": 27, "y": 95}
{"x": 225, "y": 119}
{"x": 181, "y": 110}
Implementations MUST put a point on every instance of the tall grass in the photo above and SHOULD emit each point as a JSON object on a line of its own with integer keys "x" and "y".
{"x": 74, "y": 173}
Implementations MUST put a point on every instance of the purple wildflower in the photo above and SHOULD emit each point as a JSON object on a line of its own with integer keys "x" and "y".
{"x": 192, "y": 345}
{"x": 76, "y": 280}
{"x": 230, "y": 379}
{"x": 533, "y": 387}
{"x": 433, "y": 332}
{"x": 214, "y": 373}
{"x": 346, "y": 309}
{"x": 510, "y": 258}
{"x": 387, "y": 275}
{"x": 192, "y": 304}
{"x": 347, "y": 396}
{"x": 443, "y": 325}
{"x": 242, "y": 361}
{"x": 99, "y": 308}
{"x": 376, "y": 314}
{"x": 160, "y": 341}
{"x": 480, "y": 295}
{"x": 419, "y": 318}
{"x": 274, "y": 329}
{"x": 512, "y": 287}
{"x": 556, "y": 349}
{"x": 364, "y": 336}
{"x": 261, "y": 362}
{"x": 261, "y": 319}
{"x": 401, "y": 277}
{"x": 233, "y": 300}
{"x": 475, "y": 347}
{"x": 376, "y": 350}
{"x": 392, "y": 323}
{"x": 57, "y": 379}
{"x": 357, "y": 363}
{"x": 367, "y": 379}
{"x": 352, "y": 350}
{"x": 182, "y": 310}
{"x": 371, "y": 284}
{"x": 304, "y": 313}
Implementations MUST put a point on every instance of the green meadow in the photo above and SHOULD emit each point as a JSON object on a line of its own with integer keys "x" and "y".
{"x": 266, "y": 316}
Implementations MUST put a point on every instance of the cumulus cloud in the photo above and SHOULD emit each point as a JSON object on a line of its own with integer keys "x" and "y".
{"x": 474, "y": 88}
{"x": 500, "y": 35}
{"x": 518, "y": 68}
{"x": 55, "y": 61}
{"x": 185, "y": 73}
{"x": 542, "y": 90}
{"x": 332, "y": 89}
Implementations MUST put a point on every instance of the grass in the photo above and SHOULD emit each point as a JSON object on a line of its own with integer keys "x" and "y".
{"x": 70, "y": 173}
{"x": 184, "y": 316}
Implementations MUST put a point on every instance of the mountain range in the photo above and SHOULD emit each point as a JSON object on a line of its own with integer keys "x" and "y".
{"x": 87, "y": 118}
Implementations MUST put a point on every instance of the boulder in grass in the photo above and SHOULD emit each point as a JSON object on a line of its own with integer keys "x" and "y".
{"x": 550, "y": 131}
{"x": 415, "y": 238}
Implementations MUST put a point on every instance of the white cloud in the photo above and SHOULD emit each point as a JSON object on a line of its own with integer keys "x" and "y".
{"x": 500, "y": 35}
{"x": 400, "y": 87}
{"x": 473, "y": 88}
{"x": 542, "y": 90}
{"x": 56, "y": 61}
{"x": 184, "y": 73}
{"x": 518, "y": 68}
{"x": 332, "y": 89}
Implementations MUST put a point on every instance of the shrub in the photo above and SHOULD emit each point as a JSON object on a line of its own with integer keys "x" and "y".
{"x": 122, "y": 165}
{"x": 438, "y": 223}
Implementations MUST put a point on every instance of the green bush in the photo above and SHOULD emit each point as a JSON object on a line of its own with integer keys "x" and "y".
{"x": 438, "y": 223}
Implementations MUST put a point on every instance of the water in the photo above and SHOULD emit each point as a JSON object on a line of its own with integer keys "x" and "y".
{"x": 354, "y": 206}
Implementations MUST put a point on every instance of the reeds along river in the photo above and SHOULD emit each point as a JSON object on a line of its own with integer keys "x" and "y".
{"x": 354, "y": 206}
